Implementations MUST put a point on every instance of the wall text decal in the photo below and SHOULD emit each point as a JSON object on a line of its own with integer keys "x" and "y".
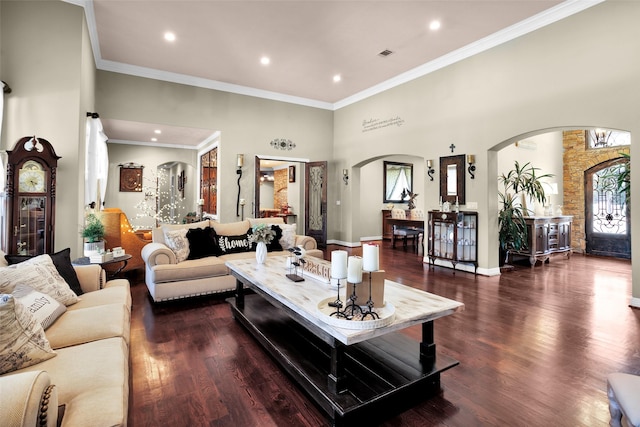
{"x": 373, "y": 124}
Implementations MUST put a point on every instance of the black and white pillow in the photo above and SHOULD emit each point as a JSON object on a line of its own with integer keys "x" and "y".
{"x": 62, "y": 261}
{"x": 234, "y": 244}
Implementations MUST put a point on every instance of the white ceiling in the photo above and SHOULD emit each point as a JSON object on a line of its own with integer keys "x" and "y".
{"x": 219, "y": 43}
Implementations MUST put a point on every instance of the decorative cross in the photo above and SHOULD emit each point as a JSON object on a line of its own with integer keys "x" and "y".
{"x": 453, "y": 147}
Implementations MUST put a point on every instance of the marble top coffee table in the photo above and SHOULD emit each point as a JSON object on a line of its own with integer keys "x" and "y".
{"x": 352, "y": 374}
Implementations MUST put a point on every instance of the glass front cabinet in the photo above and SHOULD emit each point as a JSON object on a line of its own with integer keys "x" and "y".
{"x": 453, "y": 237}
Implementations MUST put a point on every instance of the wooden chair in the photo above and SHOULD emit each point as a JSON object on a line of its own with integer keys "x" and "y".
{"x": 120, "y": 233}
{"x": 406, "y": 233}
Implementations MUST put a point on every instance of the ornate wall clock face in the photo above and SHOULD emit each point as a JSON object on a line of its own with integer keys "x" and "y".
{"x": 31, "y": 178}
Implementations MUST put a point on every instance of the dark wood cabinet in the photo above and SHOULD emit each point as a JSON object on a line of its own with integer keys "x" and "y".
{"x": 209, "y": 181}
{"x": 546, "y": 236}
{"x": 453, "y": 237}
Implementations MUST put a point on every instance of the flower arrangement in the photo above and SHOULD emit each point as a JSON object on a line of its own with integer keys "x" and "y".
{"x": 261, "y": 233}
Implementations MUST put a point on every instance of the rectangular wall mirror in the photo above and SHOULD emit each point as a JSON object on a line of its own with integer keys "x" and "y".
{"x": 452, "y": 179}
{"x": 398, "y": 177}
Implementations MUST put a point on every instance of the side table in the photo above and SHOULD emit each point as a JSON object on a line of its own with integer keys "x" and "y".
{"x": 124, "y": 259}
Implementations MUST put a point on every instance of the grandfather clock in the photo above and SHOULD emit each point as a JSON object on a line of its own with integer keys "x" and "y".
{"x": 31, "y": 191}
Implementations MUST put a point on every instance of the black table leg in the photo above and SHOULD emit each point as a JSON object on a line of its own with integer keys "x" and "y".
{"x": 337, "y": 376}
{"x": 239, "y": 294}
{"x": 428, "y": 346}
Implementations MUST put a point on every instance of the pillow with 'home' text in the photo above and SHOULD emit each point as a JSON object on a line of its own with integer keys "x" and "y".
{"x": 234, "y": 244}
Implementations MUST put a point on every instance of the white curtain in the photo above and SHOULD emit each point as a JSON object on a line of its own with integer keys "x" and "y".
{"x": 96, "y": 169}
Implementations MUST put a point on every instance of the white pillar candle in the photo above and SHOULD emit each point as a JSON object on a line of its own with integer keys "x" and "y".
{"x": 370, "y": 257}
{"x": 339, "y": 264}
{"x": 354, "y": 269}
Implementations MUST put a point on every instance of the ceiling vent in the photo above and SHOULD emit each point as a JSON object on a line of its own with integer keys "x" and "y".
{"x": 385, "y": 52}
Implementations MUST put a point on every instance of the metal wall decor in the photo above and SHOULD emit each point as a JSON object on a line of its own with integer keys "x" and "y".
{"x": 130, "y": 177}
{"x": 283, "y": 144}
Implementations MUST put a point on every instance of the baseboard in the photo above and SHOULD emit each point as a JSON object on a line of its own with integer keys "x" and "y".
{"x": 635, "y": 302}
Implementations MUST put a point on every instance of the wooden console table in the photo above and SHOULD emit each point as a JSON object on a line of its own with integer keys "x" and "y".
{"x": 354, "y": 375}
{"x": 547, "y": 235}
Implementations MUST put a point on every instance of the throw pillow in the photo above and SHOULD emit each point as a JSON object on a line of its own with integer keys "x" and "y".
{"x": 234, "y": 244}
{"x": 288, "y": 239}
{"x": 202, "y": 243}
{"x": 39, "y": 273}
{"x": 22, "y": 341}
{"x": 177, "y": 241}
{"x": 41, "y": 306}
{"x": 62, "y": 261}
{"x": 275, "y": 243}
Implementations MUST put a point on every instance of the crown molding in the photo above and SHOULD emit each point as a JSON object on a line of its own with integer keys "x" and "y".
{"x": 547, "y": 17}
{"x": 153, "y": 144}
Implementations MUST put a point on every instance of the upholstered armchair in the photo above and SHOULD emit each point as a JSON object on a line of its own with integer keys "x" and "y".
{"x": 120, "y": 233}
{"x": 398, "y": 213}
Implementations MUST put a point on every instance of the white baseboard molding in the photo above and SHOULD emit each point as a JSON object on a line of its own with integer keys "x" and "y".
{"x": 635, "y": 302}
{"x": 465, "y": 267}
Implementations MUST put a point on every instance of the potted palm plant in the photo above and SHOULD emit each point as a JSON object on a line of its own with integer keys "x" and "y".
{"x": 93, "y": 233}
{"x": 520, "y": 182}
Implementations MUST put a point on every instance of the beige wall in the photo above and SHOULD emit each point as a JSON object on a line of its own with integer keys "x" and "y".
{"x": 246, "y": 125}
{"x": 47, "y": 63}
{"x": 546, "y": 80}
{"x": 549, "y": 80}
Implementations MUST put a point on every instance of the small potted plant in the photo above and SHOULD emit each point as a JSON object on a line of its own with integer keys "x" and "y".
{"x": 93, "y": 233}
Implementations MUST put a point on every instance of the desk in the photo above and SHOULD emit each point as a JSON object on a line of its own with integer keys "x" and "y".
{"x": 124, "y": 259}
{"x": 354, "y": 375}
{"x": 388, "y": 223}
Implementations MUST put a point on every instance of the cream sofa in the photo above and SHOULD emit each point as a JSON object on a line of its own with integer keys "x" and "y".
{"x": 88, "y": 378}
{"x": 168, "y": 279}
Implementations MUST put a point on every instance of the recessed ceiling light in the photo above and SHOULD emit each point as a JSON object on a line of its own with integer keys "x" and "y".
{"x": 337, "y": 78}
{"x": 265, "y": 60}
{"x": 157, "y": 131}
{"x": 434, "y": 25}
{"x": 169, "y": 36}
{"x": 154, "y": 139}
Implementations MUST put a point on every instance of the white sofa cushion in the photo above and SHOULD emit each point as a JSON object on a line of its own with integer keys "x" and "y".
{"x": 105, "y": 321}
{"x": 22, "y": 341}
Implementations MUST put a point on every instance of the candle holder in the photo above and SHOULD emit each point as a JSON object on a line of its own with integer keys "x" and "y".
{"x": 352, "y": 306}
{"x": 295, "y": 261}
{"x": 337, "y": 304}
{"x": 369, "y": 310}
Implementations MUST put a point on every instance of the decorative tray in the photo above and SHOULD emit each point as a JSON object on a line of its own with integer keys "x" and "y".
{"x": 386, "y": 313}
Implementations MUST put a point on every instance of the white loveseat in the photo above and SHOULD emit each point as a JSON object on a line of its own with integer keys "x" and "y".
{"x": 88, "y": 378}
{"x": 168, "y": 279}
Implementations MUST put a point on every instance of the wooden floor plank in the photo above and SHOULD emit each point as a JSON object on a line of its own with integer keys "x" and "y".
{"x": 534, "y": 345}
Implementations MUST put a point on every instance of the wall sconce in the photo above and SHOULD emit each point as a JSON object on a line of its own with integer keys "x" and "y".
{"x": 240, "y": 164}
{"x": 345, "y": 176}
{"x": 471, "y": 159}
{"x": 430, "y": 169}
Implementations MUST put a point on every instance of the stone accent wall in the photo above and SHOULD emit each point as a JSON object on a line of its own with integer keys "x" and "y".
{"x": 280, "y": 188}
{"x": 577, "y": 159}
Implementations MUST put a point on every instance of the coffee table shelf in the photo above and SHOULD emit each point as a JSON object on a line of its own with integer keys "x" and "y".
{"x": 352, "y": 375}
{"x": 384, "y": 375}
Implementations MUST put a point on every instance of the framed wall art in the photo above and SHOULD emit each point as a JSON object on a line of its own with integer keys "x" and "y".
{"x": 130, "y": 179}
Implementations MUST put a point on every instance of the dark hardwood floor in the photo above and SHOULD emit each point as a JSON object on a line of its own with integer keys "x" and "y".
{"x": 534, "y": 345}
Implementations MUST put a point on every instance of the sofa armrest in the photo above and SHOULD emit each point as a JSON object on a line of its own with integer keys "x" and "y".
{"x": 28, "y": 399}
{"x": 157, "y": 254}
{"x": 91, "y": 277}
{"x": 306, "y": 242}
